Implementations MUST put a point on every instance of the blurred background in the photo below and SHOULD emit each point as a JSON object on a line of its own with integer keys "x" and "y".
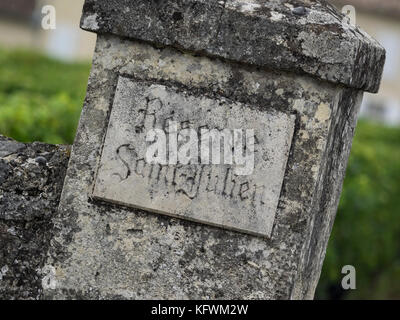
{"x": 43, "y": 77}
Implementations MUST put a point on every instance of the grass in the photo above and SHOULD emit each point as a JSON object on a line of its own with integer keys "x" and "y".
{"x": 40, "y": 98}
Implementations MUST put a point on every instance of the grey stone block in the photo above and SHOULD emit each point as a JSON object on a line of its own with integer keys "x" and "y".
{"x": 29, "y": 197}
{"x": 264, "y": 33}
{"x": 256, "y": 54}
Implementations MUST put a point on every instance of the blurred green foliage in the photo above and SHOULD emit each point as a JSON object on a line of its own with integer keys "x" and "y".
{"x": 366, "y": 233}
{"x": 41, "y": 100}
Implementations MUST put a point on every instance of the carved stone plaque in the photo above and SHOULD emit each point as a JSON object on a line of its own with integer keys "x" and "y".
{"x": 189, "y": 156}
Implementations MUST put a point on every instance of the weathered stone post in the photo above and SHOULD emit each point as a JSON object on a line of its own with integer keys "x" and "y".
{"x": 131, "y": 229}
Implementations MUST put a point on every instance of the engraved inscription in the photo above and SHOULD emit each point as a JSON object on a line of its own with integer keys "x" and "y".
{"x": 222, "y": 193}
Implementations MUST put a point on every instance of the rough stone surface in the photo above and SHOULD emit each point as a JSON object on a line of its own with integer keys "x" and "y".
{"x": 266, "y": 33}
{"x": 262, "y": 54}
{"x": 232, "y": 196}
{"x": 110, "y": 251}
{"x": 30, "y": 190}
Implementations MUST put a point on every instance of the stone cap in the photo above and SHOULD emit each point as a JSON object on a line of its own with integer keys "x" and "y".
{"x": 302, "y": 36}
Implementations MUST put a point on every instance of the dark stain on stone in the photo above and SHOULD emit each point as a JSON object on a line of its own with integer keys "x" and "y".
{"x": 177, "y": 16}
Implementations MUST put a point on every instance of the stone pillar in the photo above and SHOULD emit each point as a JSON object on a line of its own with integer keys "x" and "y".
{"x": 130, "y": 229}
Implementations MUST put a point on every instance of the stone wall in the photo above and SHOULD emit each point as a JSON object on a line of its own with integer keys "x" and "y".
{"x": 298, "y": 60}
{"x": 31, "y": 179}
